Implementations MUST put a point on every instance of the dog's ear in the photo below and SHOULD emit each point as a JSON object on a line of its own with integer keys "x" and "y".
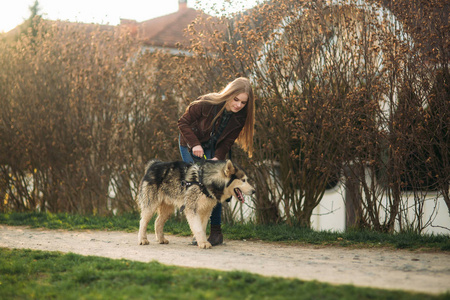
{"x": 229, "y": 168}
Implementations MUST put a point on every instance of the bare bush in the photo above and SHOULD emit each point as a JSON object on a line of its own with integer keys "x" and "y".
{"x": 73, "y": 121}
{"x": 356, "y": 91}
{"x": 334, "y": 84}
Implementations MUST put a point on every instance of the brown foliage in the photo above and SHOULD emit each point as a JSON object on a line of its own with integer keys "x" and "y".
{"x": 79, "y": 114}
{"x": 352, "y": 91}
{"x": 330, "y": 79}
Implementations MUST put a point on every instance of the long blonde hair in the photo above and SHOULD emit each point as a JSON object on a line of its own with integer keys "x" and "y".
{"x": 238, "y": 86}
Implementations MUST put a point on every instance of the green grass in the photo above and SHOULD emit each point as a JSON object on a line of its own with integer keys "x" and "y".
{"x": 27, "y": 274}
{"x": 269, "y": 233}
{"x": 351, "y": 238}
{"x": 126, "y": 222}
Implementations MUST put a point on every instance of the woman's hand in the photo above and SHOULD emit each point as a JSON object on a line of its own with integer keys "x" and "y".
{"x": 198, "y": 151}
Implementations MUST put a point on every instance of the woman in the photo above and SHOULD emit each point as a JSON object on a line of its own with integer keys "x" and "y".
{"x": 211, "y": 125}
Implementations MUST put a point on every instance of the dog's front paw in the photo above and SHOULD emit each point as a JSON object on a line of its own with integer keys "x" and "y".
{"x": 206, "y": 245}
{"x": 144, "y": 242}
{"x": 163, "y": 241}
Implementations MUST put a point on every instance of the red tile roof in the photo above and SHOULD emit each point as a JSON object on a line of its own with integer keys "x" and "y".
{"x": 165, "y": 31}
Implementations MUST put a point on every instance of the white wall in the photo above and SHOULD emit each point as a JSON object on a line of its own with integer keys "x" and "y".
{"x": 330, "y": 213}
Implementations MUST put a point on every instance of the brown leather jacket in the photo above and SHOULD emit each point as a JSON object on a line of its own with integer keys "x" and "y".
{"x": 194, "y": 126}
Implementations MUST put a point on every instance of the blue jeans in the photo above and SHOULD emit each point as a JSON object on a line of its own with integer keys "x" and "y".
{"x": 216, "y": 215}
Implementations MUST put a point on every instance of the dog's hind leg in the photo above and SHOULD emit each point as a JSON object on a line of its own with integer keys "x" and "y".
{"x": 164, "y": 212}
{"x": 146, "y": 214}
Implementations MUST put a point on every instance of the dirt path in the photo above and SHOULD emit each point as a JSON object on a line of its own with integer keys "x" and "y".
{"x": 387, "y": 269}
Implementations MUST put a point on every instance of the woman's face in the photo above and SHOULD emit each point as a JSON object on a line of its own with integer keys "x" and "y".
{"x": 237, "y": 103}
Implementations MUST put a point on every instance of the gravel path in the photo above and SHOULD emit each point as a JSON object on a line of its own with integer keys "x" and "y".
{"x": 378, "y": 268}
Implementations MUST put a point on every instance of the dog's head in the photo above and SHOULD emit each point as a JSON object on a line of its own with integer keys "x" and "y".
{"x": 238, "y": 183}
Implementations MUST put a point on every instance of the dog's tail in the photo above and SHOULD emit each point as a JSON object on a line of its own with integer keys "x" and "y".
{"x": 150, "y": 163}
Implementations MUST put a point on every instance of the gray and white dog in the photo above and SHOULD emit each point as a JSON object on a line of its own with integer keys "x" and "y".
{"x": 194, "y": 188}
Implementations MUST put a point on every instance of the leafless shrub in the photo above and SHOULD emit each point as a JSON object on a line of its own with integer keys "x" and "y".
{"x": 79, "y": 118}
{"x": 353, "y": 90}
{"x": 334, "y": 83}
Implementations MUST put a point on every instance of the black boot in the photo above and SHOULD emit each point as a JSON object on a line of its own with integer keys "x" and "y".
{"x": 216, "y": 236}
